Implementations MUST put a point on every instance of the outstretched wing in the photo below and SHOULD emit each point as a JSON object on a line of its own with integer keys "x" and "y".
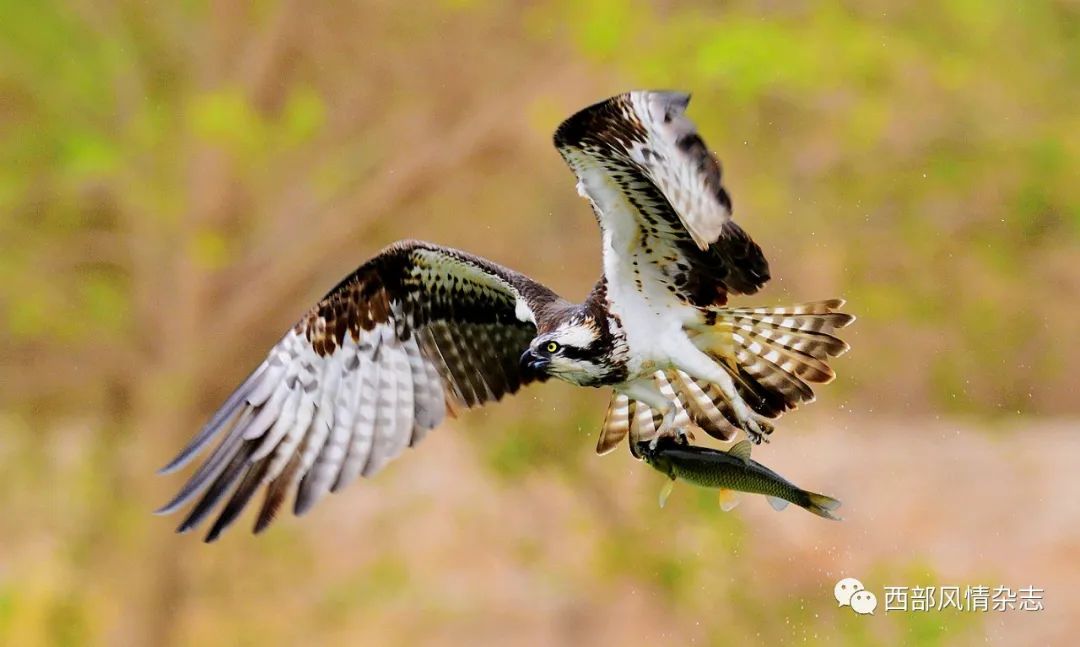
{"x": 658, "y": 196}
{"x": 365, "y": 373}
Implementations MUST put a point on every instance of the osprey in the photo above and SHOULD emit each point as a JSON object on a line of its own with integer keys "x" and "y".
{"x": 420, "y": 328}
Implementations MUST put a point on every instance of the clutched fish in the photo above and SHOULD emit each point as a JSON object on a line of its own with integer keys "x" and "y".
{"x": 729, "y": 470}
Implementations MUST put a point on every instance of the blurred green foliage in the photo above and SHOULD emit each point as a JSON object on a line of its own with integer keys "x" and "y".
{"x": 935, "y": 164}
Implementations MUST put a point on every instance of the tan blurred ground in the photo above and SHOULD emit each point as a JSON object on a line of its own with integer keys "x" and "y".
{"x": 438, "y": 551}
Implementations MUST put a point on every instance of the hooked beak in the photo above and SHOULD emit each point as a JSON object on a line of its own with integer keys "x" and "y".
{"x": 532, "y": 365}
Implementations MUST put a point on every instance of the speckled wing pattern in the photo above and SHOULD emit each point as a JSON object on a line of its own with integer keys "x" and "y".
{"x": 368, "y": 371}
{"x": 638, "y": 156}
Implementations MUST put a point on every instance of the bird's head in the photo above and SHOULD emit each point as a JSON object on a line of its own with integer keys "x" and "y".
{"x": 573, "y": 351}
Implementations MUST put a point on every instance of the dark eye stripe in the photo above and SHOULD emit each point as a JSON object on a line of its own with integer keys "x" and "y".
{"x": 573, "y": 352}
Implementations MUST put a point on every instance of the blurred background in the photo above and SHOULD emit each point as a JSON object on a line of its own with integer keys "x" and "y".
{"x": 179, "y": 181}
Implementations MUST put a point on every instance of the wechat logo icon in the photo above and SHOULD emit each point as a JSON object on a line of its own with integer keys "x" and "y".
{"x": 850, "y": 592}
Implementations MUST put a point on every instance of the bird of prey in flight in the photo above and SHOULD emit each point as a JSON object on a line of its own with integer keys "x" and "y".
{"x": 374, "y": 366}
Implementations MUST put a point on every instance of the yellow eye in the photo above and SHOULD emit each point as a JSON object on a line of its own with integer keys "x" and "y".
{"x": 552, "y": 347}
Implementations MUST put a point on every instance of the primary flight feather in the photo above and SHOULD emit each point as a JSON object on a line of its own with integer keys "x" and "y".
{"x": 373, "y": 366}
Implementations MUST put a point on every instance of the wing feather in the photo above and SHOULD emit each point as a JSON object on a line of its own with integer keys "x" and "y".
{"x": 219, "y": 488}
{"x": 360, "y": 426}
{"x": 368, "y": 371}
{"x": 276, "y": 491}
{"x": 385, "y": 427}
{"x": 249, "y": 485}
{"x": 429, "y": 402}
{"x": 658, "y": 191}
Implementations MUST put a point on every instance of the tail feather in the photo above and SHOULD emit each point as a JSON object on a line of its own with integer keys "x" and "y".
{"x": 815, "y": 321}
{"x": 706, "y": 407}
{"x": 644, "y": 422}
{"x": 817, "y": 343}
{"x": 766, "y": 401}
{"x": 775, "y": 377}
{"x": 722, "y": 405}
{"x": 678, "y": 398}
{"x": 825, "y": 306}
{"x": 775, "y": 354}
{"x": 754, "y": 397}
{"x": 639, "y": 421}
{"x": 772, "y": 355}
{"x": 616, "y": 424}
{"x": 788, "y": 359}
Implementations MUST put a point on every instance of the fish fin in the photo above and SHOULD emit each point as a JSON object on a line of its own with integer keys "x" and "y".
{"x": 741, "y": 450}
{"x": 728, "y": 500}
{"x": 823, "y": 506}
{"x": 777, "y": 503}
{"x": 665, "y": 492}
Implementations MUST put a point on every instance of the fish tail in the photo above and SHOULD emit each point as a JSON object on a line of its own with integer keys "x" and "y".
{"x": 774, "y": 354}
{"x": 821, "y": 505}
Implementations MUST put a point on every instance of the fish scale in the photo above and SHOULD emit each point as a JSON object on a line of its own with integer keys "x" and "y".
{"x": 731, "y": 470}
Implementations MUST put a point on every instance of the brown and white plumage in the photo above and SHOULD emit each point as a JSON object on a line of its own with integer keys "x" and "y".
{"x": 365, "y": 373}
{"x": 672, "y": 256}
{"x": 639, "y": 149}
{"x": 372, "y": 367}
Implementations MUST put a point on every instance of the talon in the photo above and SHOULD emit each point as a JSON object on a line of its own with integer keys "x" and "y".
{"x": 667, "y": 422}
{"x": 753, "y": 431}
{"x": 756, "y": 426}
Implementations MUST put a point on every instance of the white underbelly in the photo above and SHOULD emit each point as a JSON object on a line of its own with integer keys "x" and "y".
{"x": 652, "y": 318}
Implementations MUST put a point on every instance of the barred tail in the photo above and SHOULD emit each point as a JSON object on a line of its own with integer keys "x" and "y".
{"x": 616, "y": 424}
{"x": 775, "y": 354}
{"x": 703, "y": 406}
{"x": 640, "y": 421}
{"x": 627, "y": 417}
